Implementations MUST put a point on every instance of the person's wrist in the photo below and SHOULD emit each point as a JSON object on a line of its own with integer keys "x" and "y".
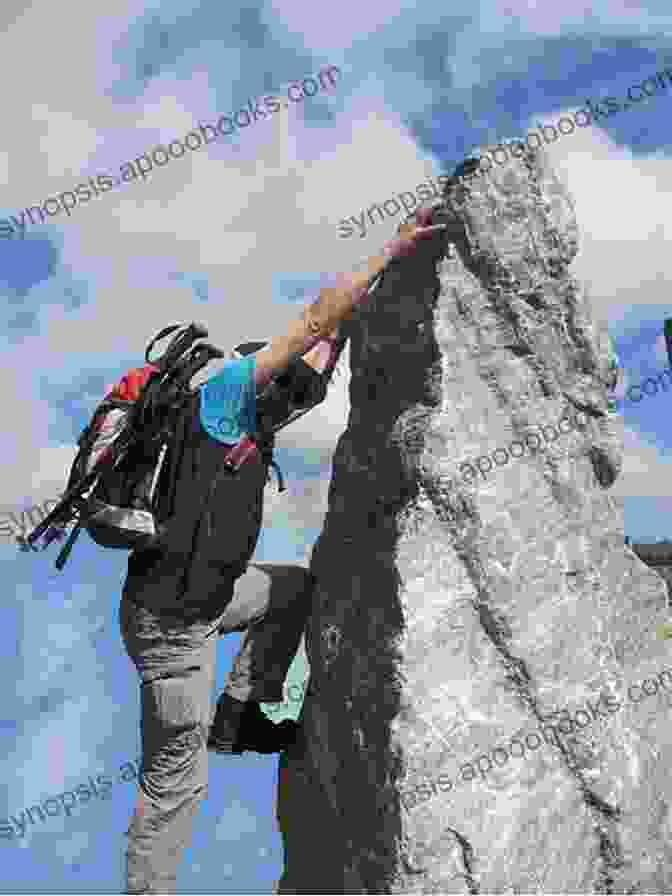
{"x": 395, "y": 248}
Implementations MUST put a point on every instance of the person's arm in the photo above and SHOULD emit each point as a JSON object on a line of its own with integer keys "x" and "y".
{"x": 335, "y": 304}
{"x": 318, "y": 319}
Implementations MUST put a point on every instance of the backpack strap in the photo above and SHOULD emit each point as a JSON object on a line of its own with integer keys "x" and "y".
{"x": 264, "y": 444}
{"x": 281, "y": 481}
{"x": 62, "y": 558}
{"x": 178, "y": 344}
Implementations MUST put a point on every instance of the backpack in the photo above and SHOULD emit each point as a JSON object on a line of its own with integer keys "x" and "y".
{"x": 125, "y": 450}
{"x": 129, "y": 452}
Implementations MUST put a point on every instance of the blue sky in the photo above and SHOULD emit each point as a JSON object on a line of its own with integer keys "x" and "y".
{"x": 236, "y": 235}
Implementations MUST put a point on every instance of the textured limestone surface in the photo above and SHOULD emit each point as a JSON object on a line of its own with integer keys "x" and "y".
{"x": 659, "y": 558}
{"x": 476, "y": 720}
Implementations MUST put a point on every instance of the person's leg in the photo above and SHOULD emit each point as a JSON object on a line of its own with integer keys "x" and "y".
{"x": 175, "y": 662}
{"x": 271, "y": 603}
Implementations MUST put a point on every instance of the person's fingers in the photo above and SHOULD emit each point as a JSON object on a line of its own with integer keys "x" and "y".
{"x": 416, "y": 233}
{"x": 423, "y": 216}
{"x": 408, "y": 237}
{"x": 426, "y": 231}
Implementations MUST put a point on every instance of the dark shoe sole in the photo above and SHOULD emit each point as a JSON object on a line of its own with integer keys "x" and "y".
{"x": 274, "y": 742}
{"x": 267, "y": 741}
{"x": 252, "y": 730}
{"x": 226, "y": 748}
{"x": 223, "y": 746}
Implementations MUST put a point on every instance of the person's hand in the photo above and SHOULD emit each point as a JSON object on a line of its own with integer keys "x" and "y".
{"x": 410, "y": 232}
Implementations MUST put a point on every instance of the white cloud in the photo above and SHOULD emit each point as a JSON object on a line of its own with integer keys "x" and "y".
{"x": 255, "y": 210}
{"x": 621, "y": 209}
{"x": 33, "y": 469}
{"x": 60, "y": 132}
{"x": 51, "y": 123}
{"x": 338, "y": 25}
{"x": 302, "y": 506}
{"x": 238, "y": 222}
{"x": 232, "y": 221}
{"x": 555, "y": 18}
{"x": 646, "y": 473}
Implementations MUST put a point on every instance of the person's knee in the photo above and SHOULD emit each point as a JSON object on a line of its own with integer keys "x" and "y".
{"x": 183, "y": 742}
{"x": 174, "y": 710}
{"x": 193, "y": 739}
{"x": 177, "y": 762}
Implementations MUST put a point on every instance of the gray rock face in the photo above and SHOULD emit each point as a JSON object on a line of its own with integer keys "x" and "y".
{"x": 659, "y": 558}
{"x": 481, "y": 635}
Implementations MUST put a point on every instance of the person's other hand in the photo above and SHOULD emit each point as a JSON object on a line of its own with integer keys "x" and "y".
{"x": 410, "y": 232}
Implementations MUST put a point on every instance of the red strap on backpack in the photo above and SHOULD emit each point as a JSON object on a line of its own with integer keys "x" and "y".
{"x": 131, "y": 384}
{"x": 129, "y": 388}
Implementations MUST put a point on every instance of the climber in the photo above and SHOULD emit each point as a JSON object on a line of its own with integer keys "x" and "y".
{"x": 199, "y": 584}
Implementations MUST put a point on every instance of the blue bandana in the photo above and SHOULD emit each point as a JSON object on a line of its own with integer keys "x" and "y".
{"x": 228, "y": 402}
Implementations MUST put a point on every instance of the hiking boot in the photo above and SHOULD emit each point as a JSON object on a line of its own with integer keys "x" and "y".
{"x": 239, "y": 726}
{"x": 225, "y": 728}
{"x": 258, "y": 733}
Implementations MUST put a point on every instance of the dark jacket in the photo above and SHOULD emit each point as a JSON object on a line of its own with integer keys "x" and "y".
{"x": 211, "y": 517}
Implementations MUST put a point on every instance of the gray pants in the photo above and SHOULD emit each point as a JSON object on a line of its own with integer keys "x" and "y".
{"x": 176, "y": 664}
